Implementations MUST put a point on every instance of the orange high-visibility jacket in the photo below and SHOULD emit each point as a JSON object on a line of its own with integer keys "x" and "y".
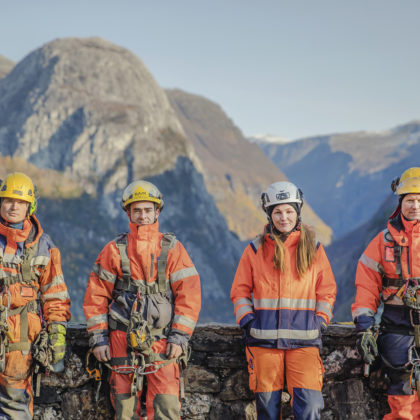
{"x": 377, "y": 273}
{"x": 279, "y": 309}
{"x": 46, "y": 279}
{"x": 179, "y": 310}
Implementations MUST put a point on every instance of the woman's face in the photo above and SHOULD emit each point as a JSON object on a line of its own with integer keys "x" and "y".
{"x": 284, "y": 217}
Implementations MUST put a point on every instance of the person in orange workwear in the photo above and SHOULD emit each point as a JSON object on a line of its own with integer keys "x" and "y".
{"x": 389, "y": 271}
{"x": 32, "y": 285}
{"x": 283, "y": 295}
{"x": 142, "y": 304}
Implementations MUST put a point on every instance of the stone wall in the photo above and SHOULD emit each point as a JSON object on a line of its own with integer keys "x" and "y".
{"x": 216, "y": 380}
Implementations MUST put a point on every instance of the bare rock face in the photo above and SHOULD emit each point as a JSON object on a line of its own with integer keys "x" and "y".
{"x": 84, "y": 118}
{"x": 80, "y": 105}
{"x": 235, "y": 170}
{"x": 5, "y": 66}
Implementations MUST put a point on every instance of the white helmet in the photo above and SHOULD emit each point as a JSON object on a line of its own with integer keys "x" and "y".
{"x": 282, "y": 192}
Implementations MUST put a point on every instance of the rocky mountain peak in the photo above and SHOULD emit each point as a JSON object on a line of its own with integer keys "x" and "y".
{"x": 5, "y": 66}
{"x": 235, "y": 170}
{"x": 78, "y": 105}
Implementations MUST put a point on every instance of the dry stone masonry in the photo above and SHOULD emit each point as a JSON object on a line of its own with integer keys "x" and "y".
{"x": 216, "y": 380}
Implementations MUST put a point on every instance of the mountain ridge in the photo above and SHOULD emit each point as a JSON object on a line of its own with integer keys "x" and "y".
{"x": 346, "y": 176}
{"x": 236, "y": 171}
{"x": 84, "y": 118}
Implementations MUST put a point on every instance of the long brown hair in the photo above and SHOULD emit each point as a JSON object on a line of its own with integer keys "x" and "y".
{"x": 305, "y": 252}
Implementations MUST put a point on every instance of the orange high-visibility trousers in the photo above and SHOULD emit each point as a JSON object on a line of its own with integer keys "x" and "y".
{"x": 16, "y": 395}
{"x": 303, "y": 370}
{"x": 403, "y": 407}
{"x": 162, "y": 399}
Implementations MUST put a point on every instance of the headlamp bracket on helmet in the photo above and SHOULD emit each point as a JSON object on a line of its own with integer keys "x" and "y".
{"x": 394, "y": 184}
{"x": 283, "y": 196}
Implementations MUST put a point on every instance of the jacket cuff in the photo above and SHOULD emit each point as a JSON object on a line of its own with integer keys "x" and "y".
{"x": 322, "y": 323}
{"x": 248, "y": 318}
{"x": 178, "y": 338}
{"x": 364, "y": 322}
{"x": 98, "y": 338}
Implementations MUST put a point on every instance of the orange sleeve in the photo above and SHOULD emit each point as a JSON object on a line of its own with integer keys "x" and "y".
{"x": 185, "y": 285}
{"x": 98, "y": 294}
{"x": 242, "y": 287}
{"x": 55, "y": 298}
{"x": 326, "y": 287}
{"x": 369, "y": 279}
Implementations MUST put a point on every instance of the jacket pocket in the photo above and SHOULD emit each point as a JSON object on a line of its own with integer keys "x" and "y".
{"x": 159, "y": 309}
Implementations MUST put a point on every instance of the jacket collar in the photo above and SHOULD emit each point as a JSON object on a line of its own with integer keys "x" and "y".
{"x": 144, "y": 232}
{"x": 15, "y": 235}
{"x": 291, "y": 239}
{"x": 400, "y": 228}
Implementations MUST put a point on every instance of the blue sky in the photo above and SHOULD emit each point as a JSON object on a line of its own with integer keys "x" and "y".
{"x": 287, "y": 68}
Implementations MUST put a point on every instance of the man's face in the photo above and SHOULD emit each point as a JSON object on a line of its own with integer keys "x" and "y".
{"x": 410, "y": 206}
{"x": 143, "y": 213}
{"x": 14, "y": 210}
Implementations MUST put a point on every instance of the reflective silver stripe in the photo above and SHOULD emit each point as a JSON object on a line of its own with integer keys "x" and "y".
{"x": 97, "y": 319}
{"x": 117, "y": 316}
{"x": 40, "y": 260}
{"x": 242, "y": 311}
{"x": 284, "y": 303}
{"x": 55, "y": 282}
{"x": 242, "y": 301}
{"x": 103, "y": 274}
{"x": 362, "y": 311}
{"x": 59, "y": 295}
{"x": 188, "y": 322}
{"x": 12, "y": 259}
{"x": 324, "y": 307}
{"x": 387, "y": 235}
{"x": 182, "y": 274}
{"x": 291, "y": 334}
{"x": 8, "y": 274}
{"x": 370, "y": 263}
{"x": 256, "y": 242}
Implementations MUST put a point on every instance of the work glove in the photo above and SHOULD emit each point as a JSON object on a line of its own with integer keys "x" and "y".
{"x": 322, "y": 323}
{"x": 57, "y": 342}
{"x": 366, "y": 345}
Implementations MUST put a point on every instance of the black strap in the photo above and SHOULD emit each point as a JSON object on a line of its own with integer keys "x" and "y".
{"x": 401, "y": 330}
{"x": 120, "y": 361}
{"x": 116, "y": 325}
{"x": 392, "y": 282}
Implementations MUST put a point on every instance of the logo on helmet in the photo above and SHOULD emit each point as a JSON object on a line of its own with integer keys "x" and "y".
{"x": 283, "y": 195}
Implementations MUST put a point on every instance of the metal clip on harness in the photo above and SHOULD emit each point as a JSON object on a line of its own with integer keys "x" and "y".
{"x": 414, "y": 360}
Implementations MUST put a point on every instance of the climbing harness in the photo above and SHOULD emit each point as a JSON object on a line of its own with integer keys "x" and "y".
{"x": 141, "y": 336}
{"x": 5, "y": 334}
{"x": 409, "y": 292}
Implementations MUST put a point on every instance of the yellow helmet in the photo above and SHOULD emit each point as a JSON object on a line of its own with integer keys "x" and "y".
{"x": 20, "y": 186}
{"x": 408, "y": 183}
{"x": 141, "y": 191}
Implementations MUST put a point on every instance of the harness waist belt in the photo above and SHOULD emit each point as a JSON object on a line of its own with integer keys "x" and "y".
{"x": 389, "y": 282}
{"x": 117, "y": 325}
{"x": 398, "y": 330}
